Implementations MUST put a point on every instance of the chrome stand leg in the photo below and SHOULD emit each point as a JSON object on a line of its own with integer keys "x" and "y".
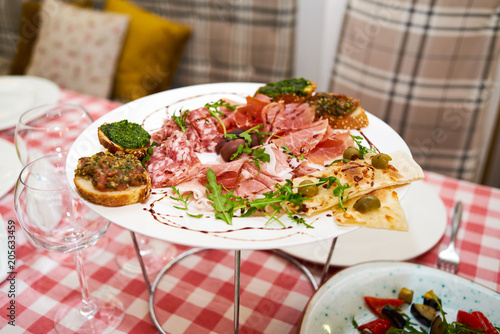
{"x": 237, "y": 284}
{"x": 237, "y": 261}
{"x": 141, "y": 262}
{"x": 326, "y": 267}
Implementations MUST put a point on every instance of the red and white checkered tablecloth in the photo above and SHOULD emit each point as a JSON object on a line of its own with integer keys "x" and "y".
{"x": 196, "y": 296}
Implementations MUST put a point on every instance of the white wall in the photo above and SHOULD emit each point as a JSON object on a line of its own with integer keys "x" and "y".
{"x": 318, "y": 28}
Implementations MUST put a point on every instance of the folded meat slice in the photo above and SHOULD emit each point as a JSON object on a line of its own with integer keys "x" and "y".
{"x": 227, "y": 174}
{"x": 303, "y": 140}
{"x": 249, "y": 115}
{"x": 173, "y": 161}
{"x": 332, "y": 147}
{"x": 279, "y": 117}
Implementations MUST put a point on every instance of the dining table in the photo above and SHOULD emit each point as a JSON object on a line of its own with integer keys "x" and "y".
{"x": 196, "y": 295}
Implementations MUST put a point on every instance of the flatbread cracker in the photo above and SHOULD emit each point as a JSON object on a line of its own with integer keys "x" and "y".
{"x": 362, "y": 177}
{"x": 389, "y": 216}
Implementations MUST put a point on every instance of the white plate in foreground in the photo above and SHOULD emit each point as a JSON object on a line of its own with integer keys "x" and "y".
{"x": 10, "y": 166}
{"x": 18, "y": 93}
{"x": 333, "y": 306}
{"x": 170, "y": 224}
{"x": 427, "y": 221}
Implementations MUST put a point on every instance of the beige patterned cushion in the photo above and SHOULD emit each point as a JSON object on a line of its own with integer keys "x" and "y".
{"x": 78, "y": 48}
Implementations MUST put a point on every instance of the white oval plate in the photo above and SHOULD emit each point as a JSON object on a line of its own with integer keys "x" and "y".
{"x": 208, "y": 232}
{"x": 427, "y": 221}
{"x": 10, "y": 166}
{"x": 333, "y": 306}
{"x": 19, "y": 93}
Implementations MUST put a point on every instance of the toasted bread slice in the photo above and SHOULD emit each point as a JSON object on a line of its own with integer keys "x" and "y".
{"x": 354, "y": 120}
{"x": 111, "y": 198}
{"x": 113, "y": 147}
{"x": 296, "y": 90}
{"x": 342, "y": 112}
{"x": 112, "y": 179}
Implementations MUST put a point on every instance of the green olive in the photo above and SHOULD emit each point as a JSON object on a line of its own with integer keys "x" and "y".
{"x": 351, "y": 153}
{"x": 308, "y": 188}
{"x": 381, "y": 161}
{"x": 367, "y": 203}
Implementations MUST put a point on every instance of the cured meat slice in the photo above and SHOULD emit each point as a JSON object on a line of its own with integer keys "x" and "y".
{"x": 168, "y": 128}
{"x": 252, "y": 182}
{"x": 279, "y": 117}
{"x": 302, "y": 141}
{"x": 226, "y": 173}
{"x": 303, "y": 169}
{"x": 173, "y": 161}
{"x": 331, "y": 148}
{"x": 278, "y": 166}
{"x": 207, "y": 134}
{"x": 296, "y": 116}
{"x": 249, "y": 115}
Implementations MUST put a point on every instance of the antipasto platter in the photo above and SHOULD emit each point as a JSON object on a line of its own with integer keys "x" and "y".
{"x": 159, "y": 215}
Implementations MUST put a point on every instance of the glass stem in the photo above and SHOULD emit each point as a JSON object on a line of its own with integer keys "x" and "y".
{"x": 89, "y": 307}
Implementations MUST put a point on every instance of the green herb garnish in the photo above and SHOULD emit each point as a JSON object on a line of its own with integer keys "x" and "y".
{"x": 290, "y": 153}
{"x": 213, "y": 109}
{"x": 147, "y": 157}
{"x": 184, "y": 200}
{"x": 362, "y": 149}
{"x": 181, "y": 119}
{"x": 339, "y": 189}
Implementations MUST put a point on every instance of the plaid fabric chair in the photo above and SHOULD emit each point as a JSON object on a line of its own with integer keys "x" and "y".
{"x": 232, "y": 40}
{"x": 427, "y": 68}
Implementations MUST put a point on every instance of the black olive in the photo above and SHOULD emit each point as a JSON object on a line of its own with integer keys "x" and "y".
{"x": 381, "y": 161}
{"x": 351, "y": 153}
{"x": 236, "y": 131}
{"x": 223, "y": 141}
{"x": 230, "y": 148}
{"x": 255, "y": 139}
{"x": 307, "y": 188}
{"x": 367, "y": 203}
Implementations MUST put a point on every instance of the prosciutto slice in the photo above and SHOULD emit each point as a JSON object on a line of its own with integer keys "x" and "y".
{"x": 227, "y": 173}
{"x": 249, "y": 115}
{"x": 331, "y": 148}
{"x": 305, "y": 139}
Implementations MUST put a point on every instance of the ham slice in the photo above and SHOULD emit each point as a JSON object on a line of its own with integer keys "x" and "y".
{"x": 303, "y": 140}
{"x": 279, "y": 117}
{"x": 331, "y": 148}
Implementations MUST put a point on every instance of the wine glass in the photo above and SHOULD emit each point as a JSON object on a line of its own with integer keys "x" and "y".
{"x": 57, "y": 220}
{"x": 52, "y": 128}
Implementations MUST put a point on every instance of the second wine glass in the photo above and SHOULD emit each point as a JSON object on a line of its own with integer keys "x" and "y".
{"x": 57, "y": 220}
{"x": 47, "y": 129}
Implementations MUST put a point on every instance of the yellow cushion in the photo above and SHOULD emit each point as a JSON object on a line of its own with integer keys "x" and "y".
{"x": 28, "y": 33}
{"x": 152, "y": 50}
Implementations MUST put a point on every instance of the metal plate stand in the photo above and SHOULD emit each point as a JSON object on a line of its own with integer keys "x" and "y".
{"x": 237, "y": 262}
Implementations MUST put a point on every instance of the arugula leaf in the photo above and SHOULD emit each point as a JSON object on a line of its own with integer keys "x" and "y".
{"x": 362, "y": 149}
{"x": 223, "y": 204}
{"x": 184, "y": 200}
{"x": 213, "y": 109}
{"x": 181, "y": 119}
{"x": 290, "y": 153}
{"x": 147, "y": 157}
{"x": 338, "y": 160}
{"x": 339, "y": 189}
